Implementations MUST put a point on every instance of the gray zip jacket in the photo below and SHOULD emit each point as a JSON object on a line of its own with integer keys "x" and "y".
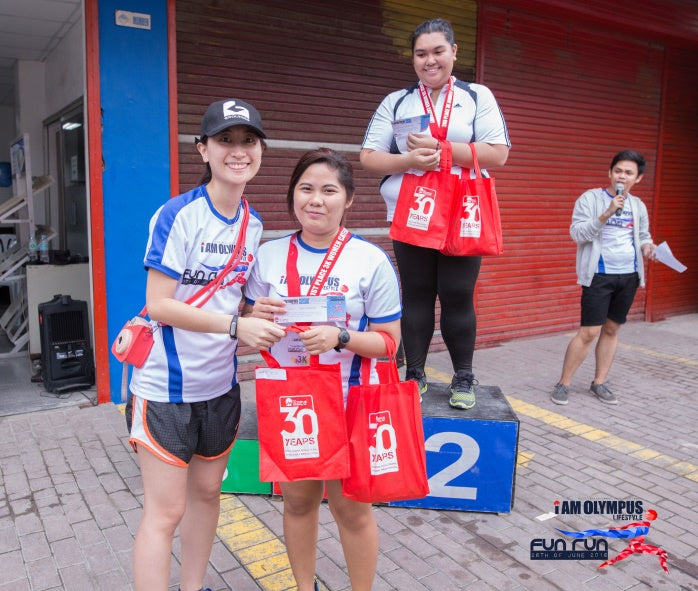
{"x": 586, "y": 232}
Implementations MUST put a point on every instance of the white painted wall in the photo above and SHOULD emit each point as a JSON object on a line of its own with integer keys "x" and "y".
{"x": 30, "y": 112}
{"x": 65, "y": 82}
{"x": 42, "y": 89}
{"x": 65, "y": 78}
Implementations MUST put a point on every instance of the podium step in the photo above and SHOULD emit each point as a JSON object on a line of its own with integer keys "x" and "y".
{"x": 471, "y": 454}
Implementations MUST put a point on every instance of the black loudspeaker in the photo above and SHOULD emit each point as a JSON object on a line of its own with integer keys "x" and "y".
{"x": 66, "y": 355}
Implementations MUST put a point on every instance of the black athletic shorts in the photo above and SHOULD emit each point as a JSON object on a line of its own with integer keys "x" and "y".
{"x": 609, "y": 296}
{"x": 177, "y": 431}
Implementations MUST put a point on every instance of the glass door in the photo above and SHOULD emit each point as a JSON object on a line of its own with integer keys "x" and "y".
{"x": 68, "y": 215}
{"x": 73, "y": 228}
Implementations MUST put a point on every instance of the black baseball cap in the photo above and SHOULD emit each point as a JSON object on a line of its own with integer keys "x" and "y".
{"x": 229, "y": 112}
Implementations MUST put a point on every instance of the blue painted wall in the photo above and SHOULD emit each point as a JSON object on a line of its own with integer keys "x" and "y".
{"x": 135, "y": 147}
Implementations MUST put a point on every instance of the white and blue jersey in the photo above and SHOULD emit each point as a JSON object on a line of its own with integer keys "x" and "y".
{"x": 475, "y": 117}
{"x": 362, "y": 273}
{"x": 617, "y": 248}
{"x": 191, "y": 242}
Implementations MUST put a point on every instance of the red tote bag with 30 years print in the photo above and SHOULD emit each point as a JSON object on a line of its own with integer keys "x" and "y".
{"x": 424, "y": 205}
{"x": 386, "y": 439}
{"x": 300, "y": 417}
{"x": 475, "y": 228}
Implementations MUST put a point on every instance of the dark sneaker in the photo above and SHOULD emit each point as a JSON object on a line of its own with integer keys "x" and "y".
{"x": 317, "y": 585}
{"x": 418, "y": 376}
{"x": 463, "y": 390}
{"x": 603, "y": 393}
{"x": 560, "y": 394}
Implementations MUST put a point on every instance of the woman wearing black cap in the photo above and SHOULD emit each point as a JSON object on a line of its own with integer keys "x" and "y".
{"x": 184, "y": 403}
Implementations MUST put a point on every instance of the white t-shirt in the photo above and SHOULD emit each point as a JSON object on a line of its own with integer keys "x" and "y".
{"x": 362, "y": 273}
{"x": 617, "y": 248}
{"x": 191, "y": 242}
{"x": 475, "y": 117}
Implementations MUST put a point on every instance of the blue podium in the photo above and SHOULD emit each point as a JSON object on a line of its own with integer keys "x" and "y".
{"x": 471, "y": 454}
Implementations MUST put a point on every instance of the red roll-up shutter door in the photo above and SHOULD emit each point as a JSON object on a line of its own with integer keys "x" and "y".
{"x": 572, "y": 98}
{"x": 676, "y": 214}
{"x": 316, "y": 71}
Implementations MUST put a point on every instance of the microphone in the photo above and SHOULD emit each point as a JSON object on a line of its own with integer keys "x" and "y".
{"x": 619, "y": 191}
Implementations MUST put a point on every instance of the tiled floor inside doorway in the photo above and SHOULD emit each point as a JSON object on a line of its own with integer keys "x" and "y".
{"x": 18, "y": 394}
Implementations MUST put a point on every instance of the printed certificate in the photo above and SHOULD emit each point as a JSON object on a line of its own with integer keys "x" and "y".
{"x": 330, "y": 308}
{"x": 417, "y": 124}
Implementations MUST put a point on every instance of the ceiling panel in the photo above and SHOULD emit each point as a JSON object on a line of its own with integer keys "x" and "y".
{"x": 31, "y": 30}
{"x": 55, "y": 10}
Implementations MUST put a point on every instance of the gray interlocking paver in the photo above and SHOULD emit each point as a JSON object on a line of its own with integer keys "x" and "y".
{"x": 43, "y": 574}
{"x": 411, "y": 561}
{"x": 491, "y": 575}
{"x": 57, "y": 527}
{"x": 67, "y": 552}
{"x": 379, "y": 584}
{"x": 21, "y": 585}
{"x": 119, "y": 537}
{"x": 8, "y": 537}
{"x": 12, "y": 566}
{"x": 34, "y": 546}
{"x": 78, "y": 577}
{"x": 401, "y": 579}
{"x": 415, "y": 543}
{"x": 73, "y": 494}
{"x": 101, "y": 558}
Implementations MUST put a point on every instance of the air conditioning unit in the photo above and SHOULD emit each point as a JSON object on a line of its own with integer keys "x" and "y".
{"x": 66, "y": 355}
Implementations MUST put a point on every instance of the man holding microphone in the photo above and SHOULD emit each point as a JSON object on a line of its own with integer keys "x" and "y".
{"x": 611, "y": 229}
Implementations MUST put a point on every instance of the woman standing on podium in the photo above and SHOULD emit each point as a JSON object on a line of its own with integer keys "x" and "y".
{"x": 460, "y": 113}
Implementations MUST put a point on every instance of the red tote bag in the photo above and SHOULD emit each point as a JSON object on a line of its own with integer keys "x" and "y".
{"x": 299, "y": 410}
{"x": 424, "y": 205}
{"x": 475, "y": 227}
{"x": 386, "y": 441}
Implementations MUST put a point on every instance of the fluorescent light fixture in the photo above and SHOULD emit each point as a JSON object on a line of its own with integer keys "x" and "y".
{"x": 68, "y": 125}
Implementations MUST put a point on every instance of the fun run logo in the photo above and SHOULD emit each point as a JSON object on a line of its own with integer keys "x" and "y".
{"x": 592, "y": 544}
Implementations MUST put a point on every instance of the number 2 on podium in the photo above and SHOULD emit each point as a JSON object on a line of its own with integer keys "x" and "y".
{"x": 470, "y": 452}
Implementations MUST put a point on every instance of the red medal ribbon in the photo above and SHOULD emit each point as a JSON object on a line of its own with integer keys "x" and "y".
{"x": 293, "y": 278}
{"x": 438, "y": 131}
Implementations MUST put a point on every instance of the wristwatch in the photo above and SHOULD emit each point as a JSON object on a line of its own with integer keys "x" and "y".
{"x": 233, "y": 330}
{"x": 343, "y": 339}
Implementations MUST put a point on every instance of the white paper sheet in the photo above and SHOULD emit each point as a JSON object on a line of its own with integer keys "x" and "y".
{"x": 664, "y": 255}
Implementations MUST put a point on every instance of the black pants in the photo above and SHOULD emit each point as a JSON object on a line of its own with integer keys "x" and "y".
{"x": 424, "y": 274}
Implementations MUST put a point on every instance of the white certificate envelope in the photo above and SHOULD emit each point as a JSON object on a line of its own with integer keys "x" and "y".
{"x": 417, "y": 124}
{"x": 402, "y": 127}
{"x": 329, "y": 308}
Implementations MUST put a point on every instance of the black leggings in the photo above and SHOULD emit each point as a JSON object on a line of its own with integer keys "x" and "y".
{"x": 424, "y": 274}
